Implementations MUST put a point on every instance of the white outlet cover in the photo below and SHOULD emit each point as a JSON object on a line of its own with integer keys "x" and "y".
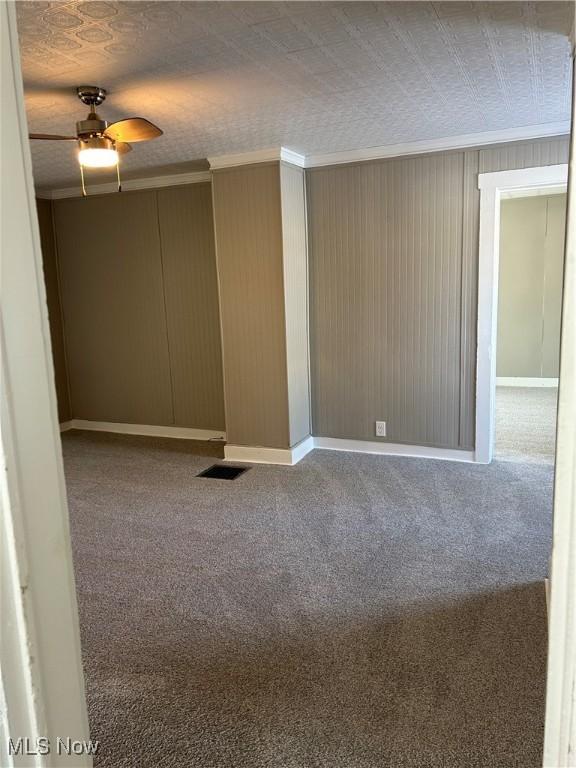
{"x": 380, "y": 429}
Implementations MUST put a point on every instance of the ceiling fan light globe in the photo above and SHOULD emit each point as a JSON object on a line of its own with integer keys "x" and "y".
{"x": 94, "y": 157}
{"x": 97, "y": 152}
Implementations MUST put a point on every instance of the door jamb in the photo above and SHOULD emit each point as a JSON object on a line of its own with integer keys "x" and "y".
{"x": 42, "y": 686}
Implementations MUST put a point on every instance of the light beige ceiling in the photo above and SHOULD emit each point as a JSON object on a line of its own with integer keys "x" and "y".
{"x": 315, "y": 77}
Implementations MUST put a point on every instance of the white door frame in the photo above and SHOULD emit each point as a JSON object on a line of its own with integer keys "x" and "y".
{"x": 560, "y": 728}
{"x": 42, "y": 686}
{"x": 492, "y": 186}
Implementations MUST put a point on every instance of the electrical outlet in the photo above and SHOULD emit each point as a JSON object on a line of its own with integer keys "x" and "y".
{"x": 380, "y": 429}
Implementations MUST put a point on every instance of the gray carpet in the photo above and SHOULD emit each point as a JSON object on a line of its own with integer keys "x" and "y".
{"x": 526, "y": 423}
{"x": 353, "y": 611}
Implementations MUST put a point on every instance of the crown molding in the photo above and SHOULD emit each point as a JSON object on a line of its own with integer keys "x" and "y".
{"x": 152, "y": 182}
{"x": 281, "y": 154}
{"x": 524, "y": 133}
{"x": 275, "y": 154}
{"x": 288, "y": 156}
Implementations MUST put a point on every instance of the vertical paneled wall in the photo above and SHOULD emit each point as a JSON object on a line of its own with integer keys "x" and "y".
{"x": 386, "y": 271}
{"x": 469, "y": 298}
{"x": 114, "y": 321}
{"x": 261, "y": 243}
{"x": 50, "y": 265}
{"x": 139, "y": 296}
{"x": 523, "y": 154}
{"x": 247, "y": 210}
{"x": 192, "y": 312}
{"x": 393, "y": 251}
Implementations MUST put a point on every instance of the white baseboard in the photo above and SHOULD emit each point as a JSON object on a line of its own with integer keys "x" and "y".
{"x": 301, "y": 449}
{"x": 289, "y": 457}
{"x": 260, "y": 455}
{"x": 283, "y": 456}
{"x": 393, "y": 449}
{"x": 150, "y": 430}
{"x": 525, "y": 381}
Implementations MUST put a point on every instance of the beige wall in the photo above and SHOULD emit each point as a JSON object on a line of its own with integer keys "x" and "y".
{"x": 113, "y": 302}
{"x": 393, "y": 250}
{"x": 192, "y": 310}
{"x": 530, "y": 286}
{"x": 140, "y": 306}
{"x": 50, "y": 266}
{"x": 249, "y": 256}
{"x": 555, "y": 244}
{"x": 260, "y": 221}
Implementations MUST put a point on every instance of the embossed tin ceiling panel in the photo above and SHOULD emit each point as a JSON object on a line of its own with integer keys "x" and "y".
{"x": 315, "y": 77}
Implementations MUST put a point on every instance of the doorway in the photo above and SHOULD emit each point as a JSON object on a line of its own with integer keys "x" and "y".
{"x": 530, "y": 278}
{"x": 494, "y": 188}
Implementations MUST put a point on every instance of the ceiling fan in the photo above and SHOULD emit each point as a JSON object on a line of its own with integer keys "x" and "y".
{"x": 101, "y": 144}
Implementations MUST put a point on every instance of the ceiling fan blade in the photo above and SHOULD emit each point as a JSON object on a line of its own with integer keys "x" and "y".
{"x": 122, "y": 147}
{"x": 52, "y": 137}
{"x": 133, "y": 129}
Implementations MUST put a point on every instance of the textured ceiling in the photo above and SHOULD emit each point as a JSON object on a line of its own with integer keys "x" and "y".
{"x": 315, "y": 77}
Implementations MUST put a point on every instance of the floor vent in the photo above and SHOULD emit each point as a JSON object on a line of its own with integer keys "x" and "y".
{"x": 223, "y": 472}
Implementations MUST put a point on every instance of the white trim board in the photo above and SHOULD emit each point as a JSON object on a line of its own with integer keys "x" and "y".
{"x": 276, "y": 154}
{"x": 426, "y": 146}
{"x": 525, "y": 133}
{"x": 491, "y": 185}
{"x": 149, "y": 430}
{"x": 289, "y": 457}
{"x": 151, "y": 182}
{"x": 524, "y": 381}
{"x": 539, "y": 177}
{"x": 560, "y": 725}
{"x": 42, "y": 685}
{"x": 393, "y": 449}
{"x": 260, "y": 455}
{"x": 283, "y": 456}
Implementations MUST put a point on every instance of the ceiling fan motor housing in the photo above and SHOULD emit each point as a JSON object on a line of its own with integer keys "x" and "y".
{"x": 91, "y": 126}
{"x": 95, "y": 142}
{"x": 92, "y": 96}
